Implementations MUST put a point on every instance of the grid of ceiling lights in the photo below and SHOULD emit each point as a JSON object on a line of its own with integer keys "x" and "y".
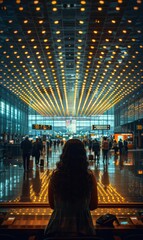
{"x": 29, "y": 81}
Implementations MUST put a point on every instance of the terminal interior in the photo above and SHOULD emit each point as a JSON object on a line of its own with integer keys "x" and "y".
{"x": 71, "y": 69}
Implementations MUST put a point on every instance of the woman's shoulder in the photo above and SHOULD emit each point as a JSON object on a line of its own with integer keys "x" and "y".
{"x": 54, "y": 176}
{"x": 92, "y": 176}
{"x": 90, "y": 173}
{"x": 56, "y": 173}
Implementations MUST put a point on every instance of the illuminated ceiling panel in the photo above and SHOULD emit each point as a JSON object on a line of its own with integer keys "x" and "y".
{"x": 71, "y": 58}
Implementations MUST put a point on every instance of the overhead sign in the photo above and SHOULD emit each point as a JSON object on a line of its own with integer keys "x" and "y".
{"x": 139, "y": 127}
{"x": 100, "y": 127}
{"x": 41, "y": 127}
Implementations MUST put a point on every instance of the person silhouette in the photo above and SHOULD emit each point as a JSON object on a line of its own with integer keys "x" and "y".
{"x": 72, "y": 193}
{"x": 105, "y": 176}
{"x": 26, "y": 146}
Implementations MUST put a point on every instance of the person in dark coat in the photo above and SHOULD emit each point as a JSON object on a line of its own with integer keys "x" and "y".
{"x": 126, "y": 146}
{"x": 37, "y": 150}
{"x": 96, "y": 149}
{"x": 26, "y": 146}
{"x": 120, "y": 144}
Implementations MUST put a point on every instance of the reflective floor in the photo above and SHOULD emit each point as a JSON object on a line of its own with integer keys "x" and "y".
{"x": 119, "y": 181}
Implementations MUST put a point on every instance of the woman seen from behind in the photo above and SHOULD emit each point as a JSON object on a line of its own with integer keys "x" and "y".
{"x": 72, "y": 193}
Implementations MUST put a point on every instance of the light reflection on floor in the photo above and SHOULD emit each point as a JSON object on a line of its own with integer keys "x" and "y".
{"x": 119, "y": 181}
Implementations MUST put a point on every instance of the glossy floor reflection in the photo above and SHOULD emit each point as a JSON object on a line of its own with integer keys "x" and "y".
{"x": 119, "y": 181}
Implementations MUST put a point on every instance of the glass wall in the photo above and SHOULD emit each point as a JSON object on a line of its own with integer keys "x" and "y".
{"x": 72, "y": 126}
{"x": 129, "y": 118}
{"x": 13, "y": 116}
{"x": 128, "y": 112}
{"x": 16, "y": 120}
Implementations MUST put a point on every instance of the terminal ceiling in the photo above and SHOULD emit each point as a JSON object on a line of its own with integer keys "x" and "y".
{"x": 71, "y": 57}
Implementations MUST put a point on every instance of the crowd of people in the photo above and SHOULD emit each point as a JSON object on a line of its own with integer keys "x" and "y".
{"x": 72, "y": 190}
{"x": 94, "y": 146}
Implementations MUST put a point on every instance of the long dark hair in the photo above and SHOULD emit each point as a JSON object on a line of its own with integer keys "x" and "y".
{"x": 72, "y": 179}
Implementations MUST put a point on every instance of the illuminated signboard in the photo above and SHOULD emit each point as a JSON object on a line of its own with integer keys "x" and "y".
{"x": 100, "y": 127}
{"x": 139, "y": 127}
{"x": 41, "y": 127}
{"x": 71, "y": 126}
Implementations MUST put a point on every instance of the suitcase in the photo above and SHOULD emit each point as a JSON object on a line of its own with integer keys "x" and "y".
{"x": 42, "y": 163}
{"x": 90, "y": 157}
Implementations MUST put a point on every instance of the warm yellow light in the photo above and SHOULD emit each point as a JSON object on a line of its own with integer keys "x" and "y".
{"x": 40, "y": 21}
{"x": 54, "y": 9}
{"x": 56, "y": 22}
{"x": 54, "y": 2}
{"x": 83, "y": 2}
{"x": 20, "y": 8}
{"x": 136, "y": 8}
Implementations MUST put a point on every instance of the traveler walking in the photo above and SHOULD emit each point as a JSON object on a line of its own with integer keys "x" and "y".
{"x": 120, "y": 144}
{"x": 96, "y": 149}
{"x": 26, "y": 146}
{"x": 37, "y": 151}
{"x": 105, "y": 149}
